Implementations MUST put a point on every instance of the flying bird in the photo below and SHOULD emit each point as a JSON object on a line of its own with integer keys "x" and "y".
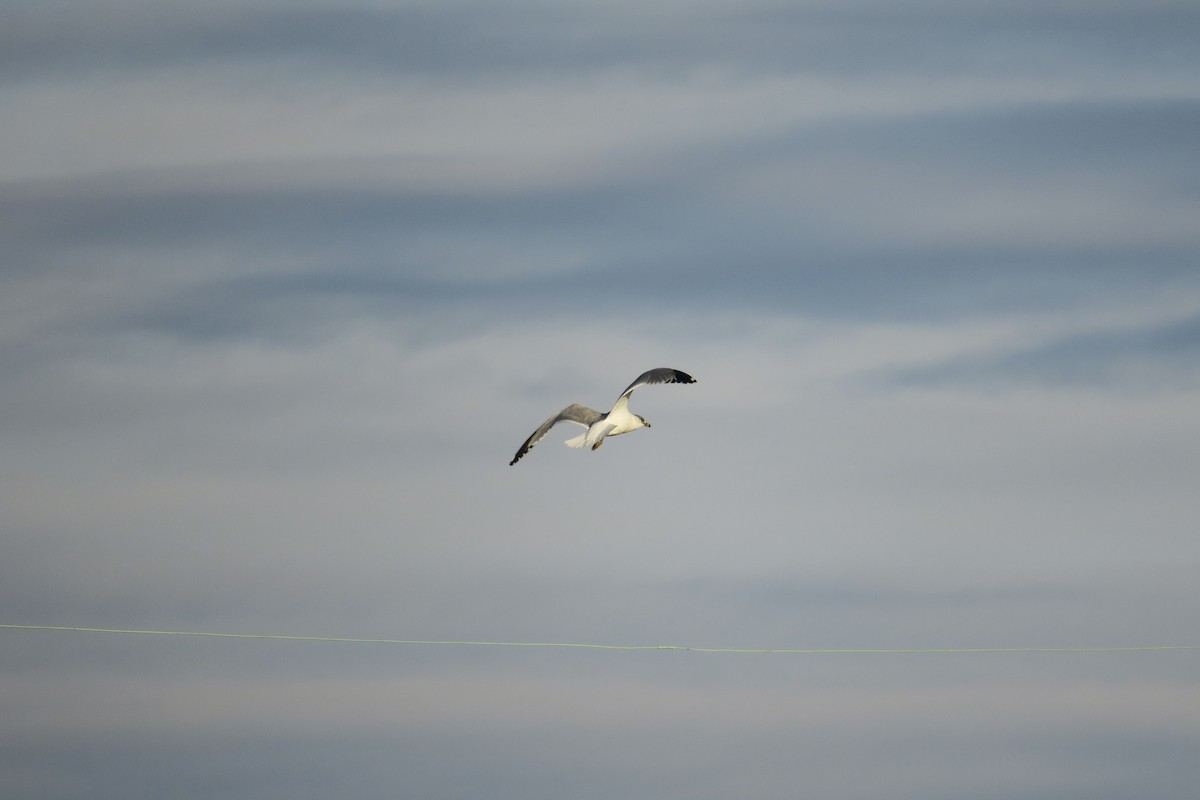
{"x": 617, "y": 421}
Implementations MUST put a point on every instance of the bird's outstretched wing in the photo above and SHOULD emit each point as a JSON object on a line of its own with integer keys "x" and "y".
{"x": 660, "y": 375}
{"x": 580, "y": 415}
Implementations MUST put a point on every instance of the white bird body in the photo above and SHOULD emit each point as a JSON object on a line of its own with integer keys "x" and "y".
{"x": 600, "y": 426}
{"x": 614, "y": 423}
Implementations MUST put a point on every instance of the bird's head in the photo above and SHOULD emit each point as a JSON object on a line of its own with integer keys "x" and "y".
{"x": 643, "y": 419}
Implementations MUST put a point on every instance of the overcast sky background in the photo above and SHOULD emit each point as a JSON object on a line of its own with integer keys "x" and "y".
{"x": 283, "y": 286}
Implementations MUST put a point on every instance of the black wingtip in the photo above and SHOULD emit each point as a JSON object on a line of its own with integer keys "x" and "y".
{"x": 682, "y": 377}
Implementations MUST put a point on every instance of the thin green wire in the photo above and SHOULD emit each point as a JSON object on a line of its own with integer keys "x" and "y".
{"x": 589, "y": 646}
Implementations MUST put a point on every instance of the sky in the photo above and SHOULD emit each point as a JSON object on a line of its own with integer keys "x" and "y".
{"x": 284, "y": 285}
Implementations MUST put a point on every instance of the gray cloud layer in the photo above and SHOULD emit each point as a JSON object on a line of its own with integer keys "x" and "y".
{"x": 283, "y": 285}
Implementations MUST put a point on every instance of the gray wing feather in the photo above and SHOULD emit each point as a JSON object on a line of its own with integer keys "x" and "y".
{"x": 580, "y": 415}
{"x": 659, "y": 375}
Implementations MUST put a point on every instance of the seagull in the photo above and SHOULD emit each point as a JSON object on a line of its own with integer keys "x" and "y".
{"x": 617, "y": 421}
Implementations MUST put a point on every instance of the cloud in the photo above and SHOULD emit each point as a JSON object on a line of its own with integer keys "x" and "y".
{"x": 529, "y": 38}
{"x": 283, "y": 286}
{"x": 1151, "y": 359}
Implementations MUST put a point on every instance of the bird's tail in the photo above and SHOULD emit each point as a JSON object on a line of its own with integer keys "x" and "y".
{"x": 578, "y": 441}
